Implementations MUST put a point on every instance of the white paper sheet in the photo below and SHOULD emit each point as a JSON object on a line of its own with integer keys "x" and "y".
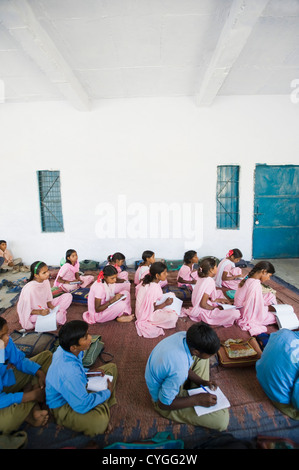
{"x": 286, "y": 317}
{"x": 176, "y": 304}
{"x": 98, "y": 383}
{"x": 47, "y": 322}
{"x": 222, "y": 401}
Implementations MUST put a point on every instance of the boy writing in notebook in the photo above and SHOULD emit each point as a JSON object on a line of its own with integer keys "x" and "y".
{"x": 179, "y": 362}
{"x": 66, "y": 394}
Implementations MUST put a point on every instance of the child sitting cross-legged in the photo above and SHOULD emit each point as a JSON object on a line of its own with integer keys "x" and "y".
{"x": 72, "y": 405}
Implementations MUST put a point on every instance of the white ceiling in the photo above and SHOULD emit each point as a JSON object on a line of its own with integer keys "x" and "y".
{"x": 86, "y": 50}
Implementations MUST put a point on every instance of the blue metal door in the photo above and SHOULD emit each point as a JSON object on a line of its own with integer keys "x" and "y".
{"x": 276, "y": 212}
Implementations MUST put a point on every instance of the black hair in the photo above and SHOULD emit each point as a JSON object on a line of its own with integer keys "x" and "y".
{"x": 35, "y": 269}
{"x": 188, "y": 256}
{"x": 3, "y": 322}
{"x": 260, "y": 266}
{"x": 71, "y": 332}
{"x": 205, "y": 266}
{"x": 3, "y": 241}
{"x": 202, "y": 337}
{"x": 109, "y": 270}
{"x": 115, "y": 257}
{"x": 145, "y": 255}
{"x": 156, "y": 268}
{"x": 235, "y": 252}
{"x": 68, "y": 253}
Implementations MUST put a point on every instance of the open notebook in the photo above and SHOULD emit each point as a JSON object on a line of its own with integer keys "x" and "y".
{"x": 97, "y": 383}
{"x": 285, "y": 316}
{"x": 222, "y": 401}
{"x": 176, "y": 304}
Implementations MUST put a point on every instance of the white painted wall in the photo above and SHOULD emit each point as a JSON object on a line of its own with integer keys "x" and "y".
{"x": 145, "y": 150}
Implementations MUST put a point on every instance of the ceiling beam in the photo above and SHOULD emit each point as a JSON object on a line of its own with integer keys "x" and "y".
{"x": 240, "y": 22}
{"x": 34, "y": 40}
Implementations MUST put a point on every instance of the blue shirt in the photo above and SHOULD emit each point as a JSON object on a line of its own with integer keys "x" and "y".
{"x": 167, "y": 368}
{"x": 66, "y": 383}
{"x": 12, "y": 355}
{"x": 278, "y": 369}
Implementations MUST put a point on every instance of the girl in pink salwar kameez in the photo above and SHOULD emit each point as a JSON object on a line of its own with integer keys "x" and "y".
{"x": 152, "y": 319}
{"x": 36, "y": 298}
{"x": 68, "y": 274}
{"x": 205, "y": 299}
{"x": 148, "y": 258}
{"x": 187, "y": 275}
{"x": 255, "y": 311}
{"x": 103, "y": 296}
{"x": 117, "y": 260}
{"x": 228, "y": 275}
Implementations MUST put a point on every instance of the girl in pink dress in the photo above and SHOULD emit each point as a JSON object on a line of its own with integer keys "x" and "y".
{"x": 205, "y": 299}
{"x": 187, "y": 275}
{"x": 36, "y": 298}
{"x": 256, "y": 308}
{"x": 117, "y": 260}
{"x": 68, "y": 277}
{"x": 103, "y": 299}
{"x": 227, "y": 274}
{"x": 148, "y": 258}
{"x": 151, "y": 318}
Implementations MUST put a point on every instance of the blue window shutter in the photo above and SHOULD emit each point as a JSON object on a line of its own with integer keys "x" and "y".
{"x": 227, "y": 198}
{"x": 50, "y": 201}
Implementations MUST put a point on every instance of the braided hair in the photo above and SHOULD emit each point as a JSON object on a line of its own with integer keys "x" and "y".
{"x": 156, "y": 268}
{"x": 262, "y": 265}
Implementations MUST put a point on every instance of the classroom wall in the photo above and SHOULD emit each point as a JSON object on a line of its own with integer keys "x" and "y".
{"x": 125, "y": 158}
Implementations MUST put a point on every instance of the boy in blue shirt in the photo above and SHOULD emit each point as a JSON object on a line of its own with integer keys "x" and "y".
{"x": 66, "y": 394}
{"x": 179, "y": 362}
{"x": 278, "y": 371}
{"x": 22, "y": 385}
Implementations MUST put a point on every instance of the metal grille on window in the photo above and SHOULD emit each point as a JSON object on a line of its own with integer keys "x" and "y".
{"x": 228, "y": 197}
{"x": 50, "y": 201}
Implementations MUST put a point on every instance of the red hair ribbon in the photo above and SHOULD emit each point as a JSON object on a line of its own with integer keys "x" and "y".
{"x": 231, "y": 252}
{"x": 100, "y": 276}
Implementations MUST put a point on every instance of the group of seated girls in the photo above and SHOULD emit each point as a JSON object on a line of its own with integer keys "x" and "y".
{"x": 109, "y": 296}
{"x": 60, "y": 380}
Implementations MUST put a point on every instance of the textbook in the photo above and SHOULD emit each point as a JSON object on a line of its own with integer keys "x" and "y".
{"x": 47, "y": 322}
{"x": 97, "y": 383}
{"x": 285, "y": 316}
{"x": 176, "y": 304}
{"x": 222, "y": 401}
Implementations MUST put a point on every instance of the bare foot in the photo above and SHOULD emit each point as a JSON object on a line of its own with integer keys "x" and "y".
{"x": 125, "y": 318}
{"x": 109, "y": 428}
{"x": 38, "y": 417}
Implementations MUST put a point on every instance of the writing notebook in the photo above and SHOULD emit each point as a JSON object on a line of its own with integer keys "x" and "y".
{"x": 98, "y": 383}
{"x": 222, "y": 401}
{"x": 176, "y": 304}
{"x": 47, "y": 322}
{"x": 124, "y": 295}
{"x": 285, "y": 316}
{"x": 226, "y": 306}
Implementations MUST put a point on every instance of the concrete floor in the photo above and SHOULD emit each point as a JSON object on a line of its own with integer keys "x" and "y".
{"x": 6, "y": 297}
{"x": 286, "y": 269}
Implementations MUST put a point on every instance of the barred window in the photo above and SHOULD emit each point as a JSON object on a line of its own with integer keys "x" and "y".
{"x": 227, "y": 204}
{"x": 50, "y": 201}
